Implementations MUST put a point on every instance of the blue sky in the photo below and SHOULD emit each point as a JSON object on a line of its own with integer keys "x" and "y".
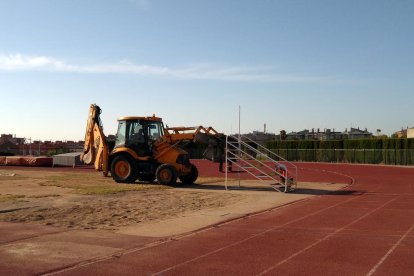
{"x": 290, "y": 64}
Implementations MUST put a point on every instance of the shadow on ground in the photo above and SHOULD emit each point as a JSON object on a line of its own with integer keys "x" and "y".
{"x": 301, "y": 191}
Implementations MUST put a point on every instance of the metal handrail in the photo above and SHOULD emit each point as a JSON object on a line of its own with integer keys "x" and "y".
{"x": 249, "y": 163}
{"x": 238, "y": 141}
{"x": 270, "y": 159}
{"x": 278, "y": 156}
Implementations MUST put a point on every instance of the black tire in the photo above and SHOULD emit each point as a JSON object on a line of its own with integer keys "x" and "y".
{"x": 147, "y": 177}
{"x": 166, "y": 174}
{"x": 191, "y": 177}
{"x": 124, "y": 169}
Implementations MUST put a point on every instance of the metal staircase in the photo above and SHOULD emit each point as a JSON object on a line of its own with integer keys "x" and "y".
{"x": 248, "y": 156}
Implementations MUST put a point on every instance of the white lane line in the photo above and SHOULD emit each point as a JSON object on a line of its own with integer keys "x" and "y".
{"x": 372, "y": 271}
{"x": 251, "y": 237}
{"x": 326, "y": 237}
{"x": 157, "y": 243}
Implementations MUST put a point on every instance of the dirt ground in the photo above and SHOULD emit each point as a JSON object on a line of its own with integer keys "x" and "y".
{"x": 91, "y": 201}
{"x": 87, "y": 200}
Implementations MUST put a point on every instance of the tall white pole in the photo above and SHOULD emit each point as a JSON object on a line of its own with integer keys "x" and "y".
{"x": 238, "y": 169}
{"x": 239, "y": 120}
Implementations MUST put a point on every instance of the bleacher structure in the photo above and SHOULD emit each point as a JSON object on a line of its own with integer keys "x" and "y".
{"x": 247, "y": 156}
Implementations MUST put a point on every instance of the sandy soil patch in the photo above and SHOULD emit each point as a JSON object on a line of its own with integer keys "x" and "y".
{"x": 91, "y": 201}
{"x": 87, "y": 200}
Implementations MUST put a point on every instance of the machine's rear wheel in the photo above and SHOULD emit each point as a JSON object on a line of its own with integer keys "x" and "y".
{"x": 191, "y": 177}
{"x": 166, "y": 174}
{"x": 124, "y": 169}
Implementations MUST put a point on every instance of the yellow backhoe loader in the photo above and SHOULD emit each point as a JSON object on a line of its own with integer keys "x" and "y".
{"x": 144, "y": 149}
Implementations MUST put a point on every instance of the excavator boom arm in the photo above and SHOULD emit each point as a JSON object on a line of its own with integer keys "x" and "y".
{"x": 95, "y": 149}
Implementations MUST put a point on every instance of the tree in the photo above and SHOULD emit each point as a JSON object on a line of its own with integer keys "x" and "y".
{"x": 283, "y": 135}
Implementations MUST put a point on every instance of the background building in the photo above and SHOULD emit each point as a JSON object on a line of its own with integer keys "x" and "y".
{"x": 12, "y": 145}
{"x": 328, "y": 134}
{"x": 404, "y": 133}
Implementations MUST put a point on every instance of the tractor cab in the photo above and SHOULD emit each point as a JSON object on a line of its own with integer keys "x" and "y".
{"x": 139, "y": 133}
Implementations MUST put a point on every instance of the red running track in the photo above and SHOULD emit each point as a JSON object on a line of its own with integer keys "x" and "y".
{"x": 365, "y": 229}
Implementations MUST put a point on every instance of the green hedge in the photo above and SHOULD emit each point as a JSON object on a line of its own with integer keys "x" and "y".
{"x": 370, "y": 151}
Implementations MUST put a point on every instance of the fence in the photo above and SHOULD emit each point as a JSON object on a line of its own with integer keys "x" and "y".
{"x": 362, "y": 156}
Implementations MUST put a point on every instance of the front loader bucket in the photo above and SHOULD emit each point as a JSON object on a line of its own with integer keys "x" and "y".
{"x": 202, "y": 138}
{"x": 215, "y": 149}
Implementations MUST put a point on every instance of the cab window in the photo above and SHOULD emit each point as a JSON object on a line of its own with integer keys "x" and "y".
{"x": 155, "y": 130}
{"x": 120, "y": 135}
{"x": 136, "y": 133}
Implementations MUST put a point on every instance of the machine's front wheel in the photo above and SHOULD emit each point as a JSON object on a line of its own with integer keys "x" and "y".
{"x": 166, "y": 174}
{"x": 124, "y": 169}
{"x": 191, "y": 177}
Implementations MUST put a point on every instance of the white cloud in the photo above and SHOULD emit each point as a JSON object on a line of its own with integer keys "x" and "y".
{"x": 19, "y": 62}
